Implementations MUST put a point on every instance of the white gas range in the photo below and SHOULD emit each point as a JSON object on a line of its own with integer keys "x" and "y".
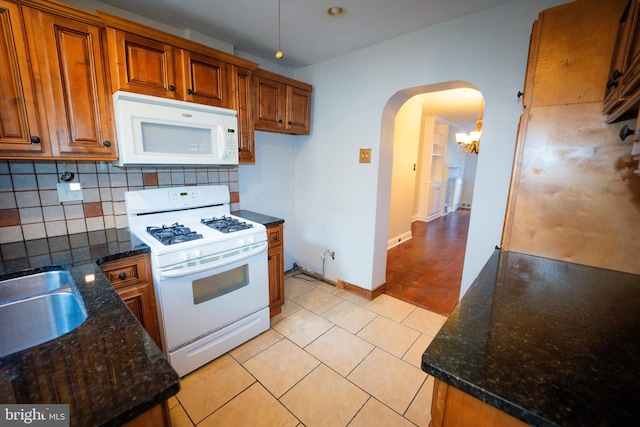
{"x": 209, "y": 270}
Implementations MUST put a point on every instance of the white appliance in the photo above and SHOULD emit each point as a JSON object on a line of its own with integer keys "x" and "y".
{"x": 158, "y": 131}
{"x": 211, "y": 284}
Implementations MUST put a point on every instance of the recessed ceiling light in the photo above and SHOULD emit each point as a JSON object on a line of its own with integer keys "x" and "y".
{"x": 335, "y": 11}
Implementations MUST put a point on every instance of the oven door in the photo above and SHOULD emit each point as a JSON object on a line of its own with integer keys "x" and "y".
{"x": 204, "y": 297}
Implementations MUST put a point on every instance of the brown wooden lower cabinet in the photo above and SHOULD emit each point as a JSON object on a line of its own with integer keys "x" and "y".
{"x": 276, "y": 268}
{"x": 131, "y": 278}
{"x": 454, "y": 408}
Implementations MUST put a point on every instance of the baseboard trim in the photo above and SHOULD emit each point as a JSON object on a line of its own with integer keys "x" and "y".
{"x": 365, "y": 293}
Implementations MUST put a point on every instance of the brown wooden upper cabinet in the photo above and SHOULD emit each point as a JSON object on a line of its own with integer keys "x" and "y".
{"x": 622, "y": 93}
{"x": 153, "y": 67}
{"x": 281, "y": 104}
{"x": 55, "y": 86}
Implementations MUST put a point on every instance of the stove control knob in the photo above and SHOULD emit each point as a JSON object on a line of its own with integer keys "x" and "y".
{"x": 250, "y": 240}
{"x": 241, "y": 242}
{"x": 185, "y": 256}
{"x": 197, "y": 253}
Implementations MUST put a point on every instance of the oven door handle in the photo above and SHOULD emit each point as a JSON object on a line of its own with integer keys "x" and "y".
{"x": 171, "y": 274}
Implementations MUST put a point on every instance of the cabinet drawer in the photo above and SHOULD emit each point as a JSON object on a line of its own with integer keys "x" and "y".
{"x": 127, "y": 272}
{"x": 274, "y": 236}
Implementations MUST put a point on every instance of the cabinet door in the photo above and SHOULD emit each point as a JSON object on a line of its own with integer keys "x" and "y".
{"x": 76, "y": 87}
{"x": 276, "y": 268}
{"x": 270, "y": 104}
{"x": 204, "y": 79}
{"x": 20, "y": 124}
{"x": 435, "y": 200}
{"x": 142, "y": 65}
{"x": 131, "y": 278}
{"x": 631, "y": 75}
{"x": 298, "y": 110}
{"x": 612, "y": 96}
{"x": 243, "y": 103}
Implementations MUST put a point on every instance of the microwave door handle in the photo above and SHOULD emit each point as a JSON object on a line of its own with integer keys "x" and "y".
{"x": 172, "y": 274}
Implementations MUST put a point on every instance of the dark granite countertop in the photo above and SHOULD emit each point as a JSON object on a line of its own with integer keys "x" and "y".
{"x": 548, "y": 342}
{"x": 265, "y": 220}
{"x": 108, "y": 369}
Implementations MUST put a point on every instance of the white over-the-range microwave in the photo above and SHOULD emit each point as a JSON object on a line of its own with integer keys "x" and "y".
{"x": 158, "y": 131}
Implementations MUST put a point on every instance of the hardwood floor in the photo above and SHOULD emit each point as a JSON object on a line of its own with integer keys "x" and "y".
{"x": 426, "y": 270}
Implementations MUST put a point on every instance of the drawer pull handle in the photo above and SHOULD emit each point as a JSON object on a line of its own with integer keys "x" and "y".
{"x": 625, "y": 132}
{"x": 122, "y": 276}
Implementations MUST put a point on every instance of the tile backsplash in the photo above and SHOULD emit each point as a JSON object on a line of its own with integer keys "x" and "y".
{"x": 30, "y": 208}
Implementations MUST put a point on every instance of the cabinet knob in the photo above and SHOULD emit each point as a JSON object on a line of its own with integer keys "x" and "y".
{"x": 107, "y": 143}
{"x": 269, "y": 258}
{"x": 625, "y": 132}
{"x": 289, "y": 122}
{"x": 280, "y": 121}
{"x": 190, "y": 91}
{"x": 274, "y": 238}
{"x": 35, "y": 139}
{"x": 172, "y": 88}
{"x": 122, "y": 276}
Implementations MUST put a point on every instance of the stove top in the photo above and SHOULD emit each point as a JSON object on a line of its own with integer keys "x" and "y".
{"x": 172, "y": 234}
{"x": 226, "y": 224}
{"x": 180, "y": 223}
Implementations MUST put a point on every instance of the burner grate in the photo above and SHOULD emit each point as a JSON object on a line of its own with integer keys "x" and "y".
{"x": 175, "y": 233}
{"x": 225, "y": 224}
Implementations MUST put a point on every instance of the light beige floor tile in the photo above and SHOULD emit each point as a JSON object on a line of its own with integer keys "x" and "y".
{"x": 324, "y": 286}
{"x": 350, "y": 296}
{"x": 388, "y": 379}
{"x": 254, "y": 346}
{"x": 302, "y": 327}
{"x": 375, "y": 413}
{"x": 414, "y": 355}
{"x": 349, "y": 316}
{"x": 179, "y": 417}
{"x": 389, "y": 335}
{"x": 288, "y": 308}
{"x": 297, "y": 285}
{"x": 211, "y": 386}
{"x": 419, "y": 411}
{"x": 339, "y": 350}
{"x": 425, "y": 321}
{"x": 254, "y": 407}
{"x": 280, "y": 366}
{"x": 317, "y": 300}
{"x": 390, "y": 307}
{"x": 172, "y": 401}
{"x": 324, "y": 398}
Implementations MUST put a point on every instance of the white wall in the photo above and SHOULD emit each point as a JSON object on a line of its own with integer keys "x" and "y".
{"x": 403, "y": 180}
{"x": 344, "y": 205}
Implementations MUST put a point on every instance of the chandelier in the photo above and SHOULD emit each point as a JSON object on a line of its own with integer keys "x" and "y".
{"x": 469, "y": 142}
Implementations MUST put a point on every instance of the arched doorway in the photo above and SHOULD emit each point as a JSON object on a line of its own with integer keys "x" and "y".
{"x": 431, "y": 182}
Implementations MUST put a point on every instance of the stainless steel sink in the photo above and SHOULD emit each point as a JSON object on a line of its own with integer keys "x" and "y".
{"x": 38, "y": 308}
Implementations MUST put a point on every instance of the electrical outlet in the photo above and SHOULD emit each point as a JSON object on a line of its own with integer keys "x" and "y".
{"x": 69, "y": 191}
{"x": 365, "y": 155}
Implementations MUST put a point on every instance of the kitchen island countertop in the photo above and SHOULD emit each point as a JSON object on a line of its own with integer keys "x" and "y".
{"x": 548, "y": 342}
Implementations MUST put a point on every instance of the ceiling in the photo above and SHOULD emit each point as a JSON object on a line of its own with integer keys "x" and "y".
{"x": 308, "y": 34}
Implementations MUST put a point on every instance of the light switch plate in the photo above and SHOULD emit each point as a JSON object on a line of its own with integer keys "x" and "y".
{"x": 69, "y": 191}
{"x": 365, "y": 155}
